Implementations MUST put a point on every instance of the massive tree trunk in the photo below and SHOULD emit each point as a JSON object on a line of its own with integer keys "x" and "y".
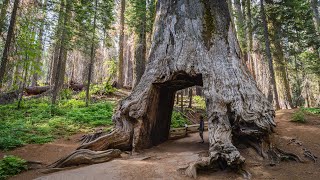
{"x": 10, "y": 34}
{"x": 193, "y": 44}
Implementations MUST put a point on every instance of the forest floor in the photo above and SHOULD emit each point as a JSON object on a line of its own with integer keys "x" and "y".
{"x": 162, "y": 162}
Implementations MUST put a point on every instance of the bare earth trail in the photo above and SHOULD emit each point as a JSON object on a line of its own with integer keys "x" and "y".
{"x": 162, "y": 162}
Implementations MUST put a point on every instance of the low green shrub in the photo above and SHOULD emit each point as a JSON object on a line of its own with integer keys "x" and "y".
{"x": 72, "y": 103}
{"x": 81, "y": 95}
{"x": 102, "y": 89}
{"x": 298, "y": 117}
{"x": 10, "y": 166}
{"x": 178, "y": 120}
{"x": 66, "y": 93}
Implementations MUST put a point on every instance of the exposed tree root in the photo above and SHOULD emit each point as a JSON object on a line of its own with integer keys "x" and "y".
{"x": 229, "y": 157}
{"x": 34, "y": 165}
{"x": 117, "y": 139}
{"x": 191, "y": 169}
{"x": 83, "y": 156}
{"x": 288, "y": 155}
{"x": 309, "y": 155}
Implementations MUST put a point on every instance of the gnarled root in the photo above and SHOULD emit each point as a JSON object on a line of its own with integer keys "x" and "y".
{"x": 309, "y": 155}
{"x": 91, "y": 137}
{"x": 117, "y": 139}
{"x": 83, "y": 156}
{"x": 191, "y": 169}
{"x": 220, "y": 157}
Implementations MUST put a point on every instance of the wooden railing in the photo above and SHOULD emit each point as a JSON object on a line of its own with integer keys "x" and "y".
{"x": 176, "y": 133}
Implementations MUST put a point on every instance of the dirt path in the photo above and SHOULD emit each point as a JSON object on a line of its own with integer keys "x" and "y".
{"x": 162, "y": 162}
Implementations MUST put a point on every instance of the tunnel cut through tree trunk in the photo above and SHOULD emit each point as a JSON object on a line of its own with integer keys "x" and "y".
{"x": 193, "y": 44}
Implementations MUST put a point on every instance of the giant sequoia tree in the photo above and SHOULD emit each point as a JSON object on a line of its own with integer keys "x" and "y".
{"x": 193, "y": 44}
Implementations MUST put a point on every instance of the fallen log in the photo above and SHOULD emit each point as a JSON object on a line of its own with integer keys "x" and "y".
{"x": 35, "y": 90}
{"x": 76, "y": 87}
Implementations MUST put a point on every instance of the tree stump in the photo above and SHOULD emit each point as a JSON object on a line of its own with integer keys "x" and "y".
{"x": 193, "y": 44}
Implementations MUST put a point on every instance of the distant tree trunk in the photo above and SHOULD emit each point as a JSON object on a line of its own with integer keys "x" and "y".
{"x": 240, "y": 23}
{"x": 273, "y": 87}
{"x": 190, "y": 97}
{"x": 177, "y": 96}
{"x": 92, "y": 53}
{"x": 63, "y": 40}
{"x": 41, "y": 32}
{"x": 230, "y": 7}
{"x": 22, "y": 87}
{"x": 283, "y": 86}
{"x": 128, "y": 56}
{"x": 3, "y": 13}
{"x": 250, "y": 38}
{"x": 121, "y": 38}
{"x": 57, "y": 45}
{"x": 140, "y": 48}
{"x": 10, "y": 34}
{"x": 181, "y": 100}
{"x": 198, "y": 91}
{"x": 316, "y": 17}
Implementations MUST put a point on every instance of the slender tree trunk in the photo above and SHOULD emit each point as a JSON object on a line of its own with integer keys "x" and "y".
{"x": 181, "y": 100}
{"x": 25, "y": 67}
{"x": 57, "y": 45}
{"x": 240, "y": 23}
{"x": 282, "y": 78}
{"x": 3, "y": 13}
{"x": 273, "y": 87}
{"x": 92, "y": 53}
{"x": 10, "y": 34}
{"x": 250, "y": 38}
{"x": 177, "y": 96}
{"x": 230, "y": 8}
{"x": 63, "y": 40}
{"x": 316, "y": 17}
{"x": 121, "y": 40}
{"x": 190, "y": 97}
{"x": 140, "y": 48}
{"x": 41, "y": 32}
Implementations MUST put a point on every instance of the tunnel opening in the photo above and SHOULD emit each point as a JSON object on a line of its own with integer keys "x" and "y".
{"x": 163, "y": 103}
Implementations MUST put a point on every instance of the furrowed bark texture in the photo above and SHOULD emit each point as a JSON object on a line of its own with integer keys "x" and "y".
{"x": 193, "y": 44}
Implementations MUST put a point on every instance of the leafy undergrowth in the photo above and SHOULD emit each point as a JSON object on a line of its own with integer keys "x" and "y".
{"x": 300, "y": 115}
{"x": 178, "y": 120}
{"x": 312, "y": 110}
{"x": 34, "y": 122}
{"x": 10, "y": 166}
